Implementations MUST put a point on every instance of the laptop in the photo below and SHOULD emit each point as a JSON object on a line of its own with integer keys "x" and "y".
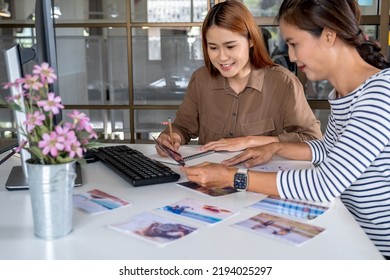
{"x": 7, "y": 144}
{"x": 16, "y": 180}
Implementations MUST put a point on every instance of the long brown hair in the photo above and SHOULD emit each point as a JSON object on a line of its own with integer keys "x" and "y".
{"x": 234, "y": 16}
{"x": 341, "y": 16}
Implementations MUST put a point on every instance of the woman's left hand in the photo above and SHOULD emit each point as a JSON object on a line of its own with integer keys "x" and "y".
{"x": 238, "y": 143}
{"x": 210, "y": 174}
{"x": 226, "y": 144}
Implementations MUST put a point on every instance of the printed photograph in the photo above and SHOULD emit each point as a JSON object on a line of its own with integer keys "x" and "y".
{"x": 198, "y": 210}
{"x": 206, "y": 190}
{"x": 293, "y": 208}
{"x": 96, "y": 201}
{"x": 280, "y": 228}
{"x": 153, "y": 228}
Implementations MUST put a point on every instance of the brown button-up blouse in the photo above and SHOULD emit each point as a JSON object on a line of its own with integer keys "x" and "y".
{"x": 272, "y": 104}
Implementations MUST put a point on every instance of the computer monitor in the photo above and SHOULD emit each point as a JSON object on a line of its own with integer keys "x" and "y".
{"x": 45, "y": 47}
{"x": 14, "y": 64}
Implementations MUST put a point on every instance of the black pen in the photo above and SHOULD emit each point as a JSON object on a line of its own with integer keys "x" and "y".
{"x": 8, "y": 156}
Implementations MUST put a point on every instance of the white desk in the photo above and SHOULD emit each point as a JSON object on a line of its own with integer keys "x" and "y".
{"x": 90, "y": 239}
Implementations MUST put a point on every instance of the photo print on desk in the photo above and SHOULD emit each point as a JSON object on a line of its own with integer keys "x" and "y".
{"x": 96, "y": 201}
{"x": 214, "y": 192}
{"x": 198, "y": 210}
{"x": 289, "y": 207}
{"x": 280, "y": 228}
{"x": 153, "y": 228}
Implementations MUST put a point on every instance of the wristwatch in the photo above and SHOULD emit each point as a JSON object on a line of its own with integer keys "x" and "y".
{"x": 241, "y": 179}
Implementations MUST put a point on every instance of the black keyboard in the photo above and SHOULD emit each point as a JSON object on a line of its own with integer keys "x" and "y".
{"x": 134, "y": 166}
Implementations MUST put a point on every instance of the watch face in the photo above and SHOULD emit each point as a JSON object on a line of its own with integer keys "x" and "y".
{"x": 240, "y": 181}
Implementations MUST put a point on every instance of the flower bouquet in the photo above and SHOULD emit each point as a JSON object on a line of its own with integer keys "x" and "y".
{"x": 47, "y": 142}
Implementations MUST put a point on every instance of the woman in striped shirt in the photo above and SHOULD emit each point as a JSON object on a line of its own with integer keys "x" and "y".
{"x": 352, "y": 161}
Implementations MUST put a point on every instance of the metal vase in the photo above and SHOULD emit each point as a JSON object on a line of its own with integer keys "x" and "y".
{"x": 51, "y": 192}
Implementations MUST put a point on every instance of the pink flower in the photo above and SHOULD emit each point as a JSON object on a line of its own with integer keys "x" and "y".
{"x": 76, "y": 150}
{"x": 81, "y": 122}
{"x": 92, "y": 133}
{"x": 32, "y": 82}
{"x": 15, "y": 84}
{"x": 62, "y": 131}
{"x": 66, "y": 136}
{"x": 8, "y": 85}
{"x": 32, "y": 120}
{"x": 15, "y": 98}
{"x": 50, "y": 144}
{"x": 45, "y": 72}
{"x": 80, "y": 119}
{"x": 53, "y": 103}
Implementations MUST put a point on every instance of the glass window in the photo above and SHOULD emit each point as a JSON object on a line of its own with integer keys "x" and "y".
{"x": 371, "y": 31}
{"x": 163, "y": 61}
{"x": 322, "y": 115}
{"x": 150, "y": 123}
{"x": 71, "y": 10}
{"x": 317, "y": 90}
{"x": 368, "y": 7}
{"x": 7, "y": 129}
{"x": 19, "y": 10}
{"x": 263, "y": 8}
{"x": 168, "y": 10}
{"x": 82, "y": 10}
{"x": 271, "y": 38}
{"x": 92, "y": 65}
{"x": 108, "y": 124}
{"x": 115, "y": 124}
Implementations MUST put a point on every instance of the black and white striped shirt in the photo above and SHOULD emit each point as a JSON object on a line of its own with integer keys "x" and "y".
{"x": 353, "y": 160}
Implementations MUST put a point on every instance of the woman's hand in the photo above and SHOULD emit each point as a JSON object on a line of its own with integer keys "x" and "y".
{"x": 210, "y": 174}
{"x": 252, "y": 156}
{"x": 226, "y": 144}
{"x": 238, "y": 143}
{"x": 165, "y": 140}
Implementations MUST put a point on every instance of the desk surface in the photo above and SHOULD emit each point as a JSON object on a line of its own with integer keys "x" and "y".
{"x": 91, "y": 239}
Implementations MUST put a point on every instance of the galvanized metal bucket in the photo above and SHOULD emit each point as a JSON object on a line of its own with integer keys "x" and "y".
{"x": 51, "y": 192}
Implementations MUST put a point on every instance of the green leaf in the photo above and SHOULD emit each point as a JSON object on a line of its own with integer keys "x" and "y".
{"x": 61, "y": 159}
{"x": 36, "y": 152}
